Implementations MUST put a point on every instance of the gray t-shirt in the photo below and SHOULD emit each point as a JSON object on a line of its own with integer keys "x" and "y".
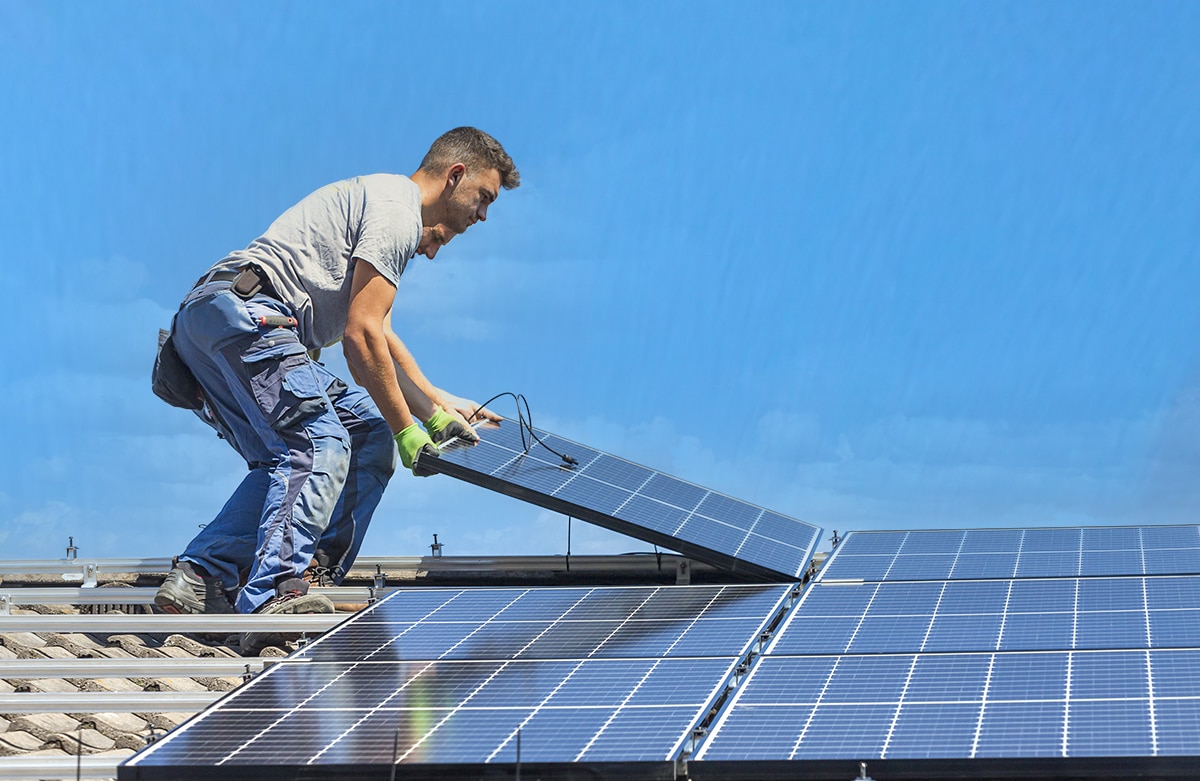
{"x": 308, "y": 252}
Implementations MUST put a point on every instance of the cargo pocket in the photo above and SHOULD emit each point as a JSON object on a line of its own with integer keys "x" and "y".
{"x": 285, "y": 384}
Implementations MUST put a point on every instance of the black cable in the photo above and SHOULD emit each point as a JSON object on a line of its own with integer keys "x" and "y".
{"x": 525, "y": 422}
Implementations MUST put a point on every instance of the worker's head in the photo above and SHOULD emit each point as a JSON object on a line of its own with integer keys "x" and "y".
{"x": 459, "y": 178}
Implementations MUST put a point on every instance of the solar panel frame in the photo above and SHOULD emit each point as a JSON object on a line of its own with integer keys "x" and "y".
{"x": 652, "y": 506}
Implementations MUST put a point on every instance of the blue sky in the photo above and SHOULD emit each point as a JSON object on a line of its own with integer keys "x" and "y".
{"x": 873, "y": 265}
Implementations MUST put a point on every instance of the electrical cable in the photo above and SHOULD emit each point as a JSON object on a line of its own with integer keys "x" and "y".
{"x": 525, "y": 422}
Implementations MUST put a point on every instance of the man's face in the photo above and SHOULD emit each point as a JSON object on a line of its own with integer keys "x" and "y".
{"x": 464, "y": 204}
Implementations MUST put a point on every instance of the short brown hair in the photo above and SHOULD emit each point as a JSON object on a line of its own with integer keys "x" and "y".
{"x": 476, "y": 150}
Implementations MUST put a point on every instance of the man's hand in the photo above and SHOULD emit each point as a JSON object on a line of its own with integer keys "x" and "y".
{"x": 411, "y": 441}
{"x": 470, "y": 411}
{"x": 445, "y": 425}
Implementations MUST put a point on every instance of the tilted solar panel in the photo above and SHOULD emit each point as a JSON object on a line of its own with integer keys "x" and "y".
{"x": 1059, "y": 668}
{"x": 1016, "y": 553}
{"x": 468, "y": 677}
{"x": 634, "y": 500}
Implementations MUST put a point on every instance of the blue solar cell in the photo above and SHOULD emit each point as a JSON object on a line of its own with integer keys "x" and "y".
{"x": 609, "y": 603}
{"x": 410, "y": 605}
{"x": 599, "y": 496}
{"x": 1172, "y": 593}
{"x": 1123, "y": 538}
{"x": 596, "y": 682}
{"x": 1109, "y": 675}
{"x": 712, "y": 534}
{"x": 1177, "y": 727}
{"x": 974, "y": 597}
{"x": 1110, "y": 563}
{"x": 1048, "y": 564}
{"x": 619, "y": 472}
{"x": 735, "y": 513}
{"x": 1051, "y": 540}
{"x": 1171, "y": 562}
{"x": 536, "y": 604}
{"x": 1109, "y": 728}
{"x": 788, "y": 680}
{"x": 856, "y": 567}
{"x": 873, "y": 543}
{"x": 954, "y": 678}
{"x": 1175, "y": 628}
{"x": 777, "y": 555}
{"x": 781, "y": 528}
{"x": 1176, "y": 673}
{"x": 1036, "y": 631}
{"x": 654, "y": 515}
{"x": 963, "y": 633}
{"x": 556, "y": 736}
{"x": 926, "y": 730}
{"x": 908, "y": 599}
{"x": 868, "y": 679}
{"x": 1027, "y": 729}
{"x": 681, "y": 682}
{"x": 818, "y": 635}
{"x": 676, "y": 492}
{"x": 1111, "y": 629}
{"x": 840, "y": 600}
{"x": 845, "y": 732}
{"x": 985, "y": 565}
{"x": 757, "y": 732}
{"x": 923, "y": 542}
{"x": 927, "y": 566}
{"x": 518, "y": 684}
{"x": 1042, "y": 596}
{"x": 1111, "y": 594}
{"x": 992, "y": 541}
{"x": 881, "y": 634}
{"x": 1170, "y": 537}
{"x": 640, "y": 735}
{"x": 1029, "y": 677}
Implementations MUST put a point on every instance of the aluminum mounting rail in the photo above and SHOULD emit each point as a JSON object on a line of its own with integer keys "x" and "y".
{"x": 218, "y": 667}
{"x": 57, "y": 768}
{"x": 78, "y": 595}
{"x": 107, "y": 702}
{"x": 75, "y": 570}
{"x": 120, "y": 624}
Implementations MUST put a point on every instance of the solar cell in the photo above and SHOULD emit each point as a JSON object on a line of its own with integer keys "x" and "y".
{"x": 1021, "y": 553}
{"x": 634, "y": 500}
{"x": 453, "y": 676}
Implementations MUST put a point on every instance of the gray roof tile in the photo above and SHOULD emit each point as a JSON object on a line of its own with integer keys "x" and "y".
{"x": 18, "y": 742}
{"x": 43, "y": 725}
{"x": 82, "y": 741}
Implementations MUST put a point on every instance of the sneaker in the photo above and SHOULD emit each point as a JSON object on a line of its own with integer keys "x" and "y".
{"x": 291, "y": 596}
{"x": 186, "y": 591}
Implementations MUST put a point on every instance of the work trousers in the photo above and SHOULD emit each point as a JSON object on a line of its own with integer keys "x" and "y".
{"x": 319, "y": 453}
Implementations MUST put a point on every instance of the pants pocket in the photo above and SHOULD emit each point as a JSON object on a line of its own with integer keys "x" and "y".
{"x": 285, "y": 384}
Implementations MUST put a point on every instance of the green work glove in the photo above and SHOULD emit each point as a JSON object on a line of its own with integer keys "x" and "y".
{"x": 412, "y": 441}
{"x": 443, "y": 426}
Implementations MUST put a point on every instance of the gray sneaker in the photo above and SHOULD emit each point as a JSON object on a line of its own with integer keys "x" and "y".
{"x": 186, "y": 591}
{"x": 290, "y": 597}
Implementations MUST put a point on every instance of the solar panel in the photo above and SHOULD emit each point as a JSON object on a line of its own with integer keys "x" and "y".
{"x": 1020, "y": 668}
{"x": 465, "y": 676}
{"x": 634, "y": 500}
{"x": 1016, "y": 553}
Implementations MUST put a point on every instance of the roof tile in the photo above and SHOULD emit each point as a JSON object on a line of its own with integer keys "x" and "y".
{"x": 43, "y": 725}
{"x": 18, "y": 742}
{"x": 82, "y": 741}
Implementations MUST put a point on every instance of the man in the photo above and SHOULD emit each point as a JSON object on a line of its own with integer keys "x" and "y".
{"x": 320, "y": 453}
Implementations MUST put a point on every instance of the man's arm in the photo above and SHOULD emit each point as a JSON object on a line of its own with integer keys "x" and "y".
{"x": 408, "y": 369}
{"x": 367, "y": 346}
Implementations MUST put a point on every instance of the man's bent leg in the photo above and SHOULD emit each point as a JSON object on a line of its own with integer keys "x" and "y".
{"x": 372, "y": 463}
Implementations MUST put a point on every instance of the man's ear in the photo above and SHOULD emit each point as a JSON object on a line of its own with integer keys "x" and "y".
{"x": 455, "y": 175}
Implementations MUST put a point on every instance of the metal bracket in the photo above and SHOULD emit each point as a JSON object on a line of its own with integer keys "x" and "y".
{"x": 90, "y": 571}
{"x": 683, "y": 572}
{"x": 4, "y": 605}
